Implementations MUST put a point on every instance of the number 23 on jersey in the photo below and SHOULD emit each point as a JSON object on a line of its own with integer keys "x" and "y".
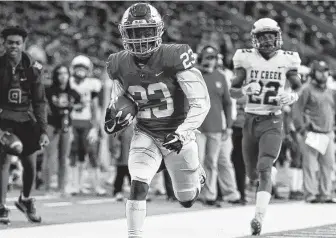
{"x": 155, "y": 100}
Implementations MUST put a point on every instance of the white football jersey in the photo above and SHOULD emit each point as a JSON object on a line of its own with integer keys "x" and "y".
{"x": 86, "y": 88}
{"x": 271, "y": 74}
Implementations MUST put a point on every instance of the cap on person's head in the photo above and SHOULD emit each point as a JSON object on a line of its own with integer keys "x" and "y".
{"x": 14, "y": 30}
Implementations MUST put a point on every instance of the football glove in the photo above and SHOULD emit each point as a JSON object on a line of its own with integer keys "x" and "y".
{"x": 288, "y": 98}
{"x": 173, "y": 142}
{"x": 253, "y": 88}
{"x": 10, "y": 143}
{"x": 115, "y": 122}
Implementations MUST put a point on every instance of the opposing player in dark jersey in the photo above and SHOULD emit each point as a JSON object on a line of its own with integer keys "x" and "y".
{"x": 269, "y": 76}
{"x": 173, "y": 101}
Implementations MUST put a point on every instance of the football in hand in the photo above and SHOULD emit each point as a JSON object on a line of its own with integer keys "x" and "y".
{"x": 126, "y": 106}
{"x": 10, "y": 143}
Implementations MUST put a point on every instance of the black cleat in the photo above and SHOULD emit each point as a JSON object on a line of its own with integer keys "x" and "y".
{"x": 4, "y": 219}
{"x": 28, "y": 208}
{"x": 212, "y": 203}
{"x": 255, "y": 227}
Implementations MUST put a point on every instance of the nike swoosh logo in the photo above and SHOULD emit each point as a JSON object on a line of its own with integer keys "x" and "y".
{"x": 110, "y": 129}
{"x": 158, "y": 74}
{"x": 275, "y": 122}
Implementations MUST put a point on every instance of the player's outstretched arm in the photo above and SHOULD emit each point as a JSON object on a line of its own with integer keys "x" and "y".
{"x": 238, "y": 89}
{"x": 289, "y": 97}
{"x": 196, "y": 91}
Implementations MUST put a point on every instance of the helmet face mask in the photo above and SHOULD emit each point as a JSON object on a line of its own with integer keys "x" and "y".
{"x": 80, "y": 71}
{"x": 266, "y": 36}
{"x": 141, "y": 29}
{"x": 81, "y": 67}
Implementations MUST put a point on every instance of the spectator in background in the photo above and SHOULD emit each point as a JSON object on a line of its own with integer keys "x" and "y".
{"x": 314, "y": 114}
{"x": 62, "y": 99}
{"x": 214, "y": 154}
{"x": 293, "y": 152}
{"x": 23, "y": 113}
{"x": 85, "y": 127}
{"x": 237, "y": 153}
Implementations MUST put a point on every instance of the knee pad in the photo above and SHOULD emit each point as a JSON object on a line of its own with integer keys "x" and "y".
{"x": 139, "y": 190}
{"x": 265, "y": 175}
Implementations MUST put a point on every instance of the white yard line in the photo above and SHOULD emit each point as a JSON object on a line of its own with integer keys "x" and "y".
{"x": 58, "y": 204}
{"x": 38, "y": 198}
{"x": 223, "y": 223}
{"x": 96, "y": 201}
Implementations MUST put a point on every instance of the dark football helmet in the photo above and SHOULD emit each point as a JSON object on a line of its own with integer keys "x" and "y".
{"x": 141, "y": 29}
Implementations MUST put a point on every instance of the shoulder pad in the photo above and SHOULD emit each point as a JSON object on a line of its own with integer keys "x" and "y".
{"x": 292, "y": 59}
{"x": 240, "y": 58}
{"x": 180, "y": 56}
{"x": 112, "y": 65}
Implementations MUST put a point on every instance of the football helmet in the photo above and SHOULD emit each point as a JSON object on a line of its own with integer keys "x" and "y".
{"x": 141, "y": 29}
{"x": 10, "y": 143}
{"x": 83, "y": 64}
{"x": 259, "y": 39}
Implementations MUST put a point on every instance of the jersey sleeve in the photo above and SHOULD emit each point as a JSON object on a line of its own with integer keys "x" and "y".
{"x": 183, "y": 57}
{"x": 239, "y": 58}
{"x": 293, "y": 60}
{"x": 111, "y": 66}
{"x": 96, "y": 85}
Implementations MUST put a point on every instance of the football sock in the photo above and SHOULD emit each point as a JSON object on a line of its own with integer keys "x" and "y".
{"x": 294, "y": 178}
{"x": 263, "y": 199}
{"x": 274, "y": 175}
{"x": 299, "y": 182}
{"x": 136, "y": 214}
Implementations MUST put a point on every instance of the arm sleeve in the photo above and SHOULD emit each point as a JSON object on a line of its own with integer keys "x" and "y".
{"x": 195, "y": 89}
{"x": 39, "y": 102}
{"x": 227, "y": 104}
{"x": 299, "y": 107}
{"x": 117, "y": 90}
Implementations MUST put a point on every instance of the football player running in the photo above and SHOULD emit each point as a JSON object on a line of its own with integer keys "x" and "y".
{"x": 173, "y": 101}
{"x": 269, "y": 77}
